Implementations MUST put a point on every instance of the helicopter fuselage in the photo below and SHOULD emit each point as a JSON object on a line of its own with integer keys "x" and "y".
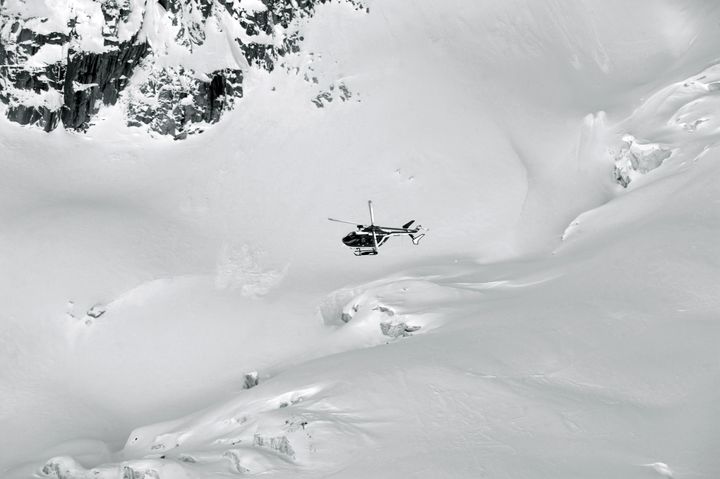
{"x": 363, "y": 238}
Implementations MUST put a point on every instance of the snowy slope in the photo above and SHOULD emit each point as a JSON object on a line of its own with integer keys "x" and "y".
{"x": 565, "y": 323}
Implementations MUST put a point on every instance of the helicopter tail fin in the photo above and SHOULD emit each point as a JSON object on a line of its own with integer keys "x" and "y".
{"x": 407, "y": 225}
{"x": 416, "y": 239}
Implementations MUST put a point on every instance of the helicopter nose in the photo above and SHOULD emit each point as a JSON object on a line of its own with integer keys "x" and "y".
{"x": 349, "y": 239}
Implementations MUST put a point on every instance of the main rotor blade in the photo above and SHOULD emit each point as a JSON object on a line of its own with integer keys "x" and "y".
{"x": 394, "y": 228}
{"x": 346, "y": 222}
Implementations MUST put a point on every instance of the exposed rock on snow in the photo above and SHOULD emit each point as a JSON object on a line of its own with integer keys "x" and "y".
{"x": 384, "y": 309}
{"x": 635, "y": 158}
{"x": 397, "y": 329}
{"x": 251, "y": 380}
{"x": 96, "y": 311}
{"x": 341, "y": 92}
{"x": 347, "y": 316}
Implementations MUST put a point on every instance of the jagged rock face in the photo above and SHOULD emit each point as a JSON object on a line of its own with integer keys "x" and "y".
{"x": 92, "y": 78}
{"x": 64, "y": 65}
{"x": 54, "y": 70}
{"x": 173, "y": 102}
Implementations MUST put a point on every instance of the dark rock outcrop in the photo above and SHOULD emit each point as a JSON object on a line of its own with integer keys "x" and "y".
{"x": 94, "y": 78}
{"x": 66, "y": 76}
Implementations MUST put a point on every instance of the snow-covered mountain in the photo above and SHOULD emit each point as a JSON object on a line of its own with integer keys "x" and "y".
{"x": 181, "y": 61}
{"x": 183, "y": 309}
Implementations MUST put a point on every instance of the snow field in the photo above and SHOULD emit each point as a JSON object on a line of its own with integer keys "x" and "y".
{"x": 539, "y": 354}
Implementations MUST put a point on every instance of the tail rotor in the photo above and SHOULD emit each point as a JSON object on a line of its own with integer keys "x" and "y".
{"x": 416, "y": 239}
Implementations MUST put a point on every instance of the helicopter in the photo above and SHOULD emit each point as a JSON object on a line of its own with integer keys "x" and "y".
{"x": 366, "y": 239}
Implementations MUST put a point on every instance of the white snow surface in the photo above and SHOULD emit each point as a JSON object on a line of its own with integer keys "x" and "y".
{"x": 551, "y": 325}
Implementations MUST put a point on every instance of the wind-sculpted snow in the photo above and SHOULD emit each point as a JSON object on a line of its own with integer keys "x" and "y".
{"x": 503, "y": 367}
{"x": 254, "y": 434}
{"x": 678, "y": 120}
{"x": 675, "y": 127}
{"x": 61, "y": 64}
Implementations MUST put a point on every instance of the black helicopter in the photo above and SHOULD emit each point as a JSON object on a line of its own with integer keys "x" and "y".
{"x": 366, "y": 239}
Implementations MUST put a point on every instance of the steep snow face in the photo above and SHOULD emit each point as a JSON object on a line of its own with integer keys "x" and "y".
{"x": 146, "y": 280}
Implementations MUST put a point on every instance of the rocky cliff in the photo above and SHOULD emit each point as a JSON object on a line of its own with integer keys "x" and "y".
{"x": 178, "y": 63}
